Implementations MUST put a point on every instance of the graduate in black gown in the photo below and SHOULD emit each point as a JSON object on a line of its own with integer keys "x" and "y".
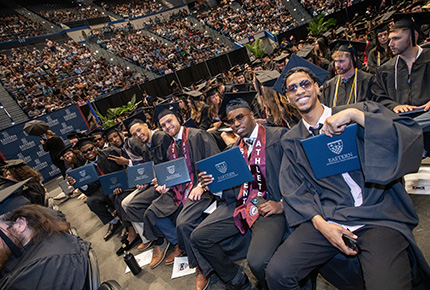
{"x": 382, "y": 52}
{"x": 237, "y": 214}
{"x": 157, "y": 144}
{"x": 403, "y": 83}
{"x": 351, "y": 85}
{"x": 369, "y": 205}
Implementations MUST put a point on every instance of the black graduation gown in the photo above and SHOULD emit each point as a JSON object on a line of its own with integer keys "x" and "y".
{"x": 415, "y": 93}
{"x": 389, "y": 147}
{"x": 158, "y": 152}
{"x": 374, "y": 58}
{"x": 237, "y": 247}
{"x": 57, "y": 262}
{"x": 364, "y": 84}
{"x": 201, "y": 145}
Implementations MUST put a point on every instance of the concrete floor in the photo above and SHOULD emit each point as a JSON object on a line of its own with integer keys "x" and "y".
{"x": 113, "y": 267}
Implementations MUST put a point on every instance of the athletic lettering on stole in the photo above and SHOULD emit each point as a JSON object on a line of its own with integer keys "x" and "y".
{"x": 246, "y": 213}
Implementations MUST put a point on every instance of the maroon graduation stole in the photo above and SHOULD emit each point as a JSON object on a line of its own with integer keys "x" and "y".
{"x": 246, "y": 213}
{"x": 180, "y": 196}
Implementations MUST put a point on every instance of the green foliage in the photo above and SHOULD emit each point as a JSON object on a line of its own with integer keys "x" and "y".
{"x": 318, "y": 26}
{"x": 256, "y": 48}
{"x": 113, "y": 113}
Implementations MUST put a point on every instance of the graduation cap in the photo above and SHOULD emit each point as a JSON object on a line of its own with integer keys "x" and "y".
{"x": 8, "y": 200}
{"x": 65, "y": 150}
{"x": 281, "y": 57}
{"x": 13, "y": 163}
{"x": 361, "y": 31}
{"x": 327, "y": 34}
{"x": 239, "y": 73}
{"x": 195, "y": 95}
{"x": 267, "y": 78}
{"x": 347, "y": 46}
{"x": 138, "y": 117}
{"x": 75, "y": 134}
{"x": 256, "y": 63}
{"x": 306, "y": 52}
{"x": 297, "y": 61}
{"x": 110, "y": 130}
{"x": 84, "y": 141}
{"x": 387, "y": 16}
{"x": 212, "y": 91}
{"x": 411, "y": 21}
{"x": 381, "y": 27}
{"x": 165, "y": 109}
{"x": 232, "y": 101}
{"x": 340, "y": 30}
{"x": 97, "y": 131}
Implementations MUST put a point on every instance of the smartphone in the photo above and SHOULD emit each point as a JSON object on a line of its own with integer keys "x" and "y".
{"x": 350, "y": 242}
{"x": 258, "y": 201}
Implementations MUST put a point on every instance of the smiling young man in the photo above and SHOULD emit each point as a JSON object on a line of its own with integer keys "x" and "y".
{"x": 351, "y": 85}
{"x": 369, "y": 204}
{"x": 261, "y": 149}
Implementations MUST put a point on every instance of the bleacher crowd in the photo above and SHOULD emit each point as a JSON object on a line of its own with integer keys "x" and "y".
{"x": 133, "y": 8}
{"x": 42, "y": 81}
{"x": 251, "y": 18}
{"x": 72, "y": 14}
{"x": 16, "y": 26}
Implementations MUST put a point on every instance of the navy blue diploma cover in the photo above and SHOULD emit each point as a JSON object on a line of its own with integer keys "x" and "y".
{"x": 228, "y": 169}
{"x": 114, "y": 180}
{"x": 83, "y": 175}
{"x": 140, "y": 174}
{"x": 335, "y": 155}
{"x": 172, "y": 172}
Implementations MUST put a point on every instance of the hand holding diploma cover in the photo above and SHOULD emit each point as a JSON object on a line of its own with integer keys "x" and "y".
{"x": 333, "y": 155}
{"x": 140, "y": 174}
{"x": 114, "y": 180}
{"x": 228, "y": 169}
{"x": 172, "y": 172}
{"x": 83, "y": 175}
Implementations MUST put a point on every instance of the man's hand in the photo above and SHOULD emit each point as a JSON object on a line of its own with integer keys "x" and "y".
{"x": 205, "y": 179}
{"x": 336, "y": 124}
{"x": 119, "y": 160}
{"x": 71, "y": 180}
{"x": 161, "y": 189}
{"x": 426, "y": 106}
{"x": 117, "y": 191}
{"x": 333, "y": 233}
{"x": 271, "y": 207}
{"x": 196, "y": 193}
{"x": 407, "y": 108}
{"x": 155, "y": 182}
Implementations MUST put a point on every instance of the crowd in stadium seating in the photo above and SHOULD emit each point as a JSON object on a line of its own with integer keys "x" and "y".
{"x": 253, "y": 17}
{"x": 133, "y": 8}
{"x": 46, "y": 80}
{"x": 315, "y": 7}
{"x": 72, "y": 14}
{"x": 16, "y": 26}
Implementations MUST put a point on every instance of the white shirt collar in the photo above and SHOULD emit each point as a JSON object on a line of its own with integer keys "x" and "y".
{"x": 326, "y": 113}
{"x": 254, "y": 133}
{"x": 149, "y": 144}
{"x": 179, "y": 135}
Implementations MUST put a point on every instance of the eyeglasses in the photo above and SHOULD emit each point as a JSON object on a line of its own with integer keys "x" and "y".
{"x": 237, "y": 118}
{"x": 87, "y": 150}
{"x": 304, "y": 84}
{"x": 97, "y": 139}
